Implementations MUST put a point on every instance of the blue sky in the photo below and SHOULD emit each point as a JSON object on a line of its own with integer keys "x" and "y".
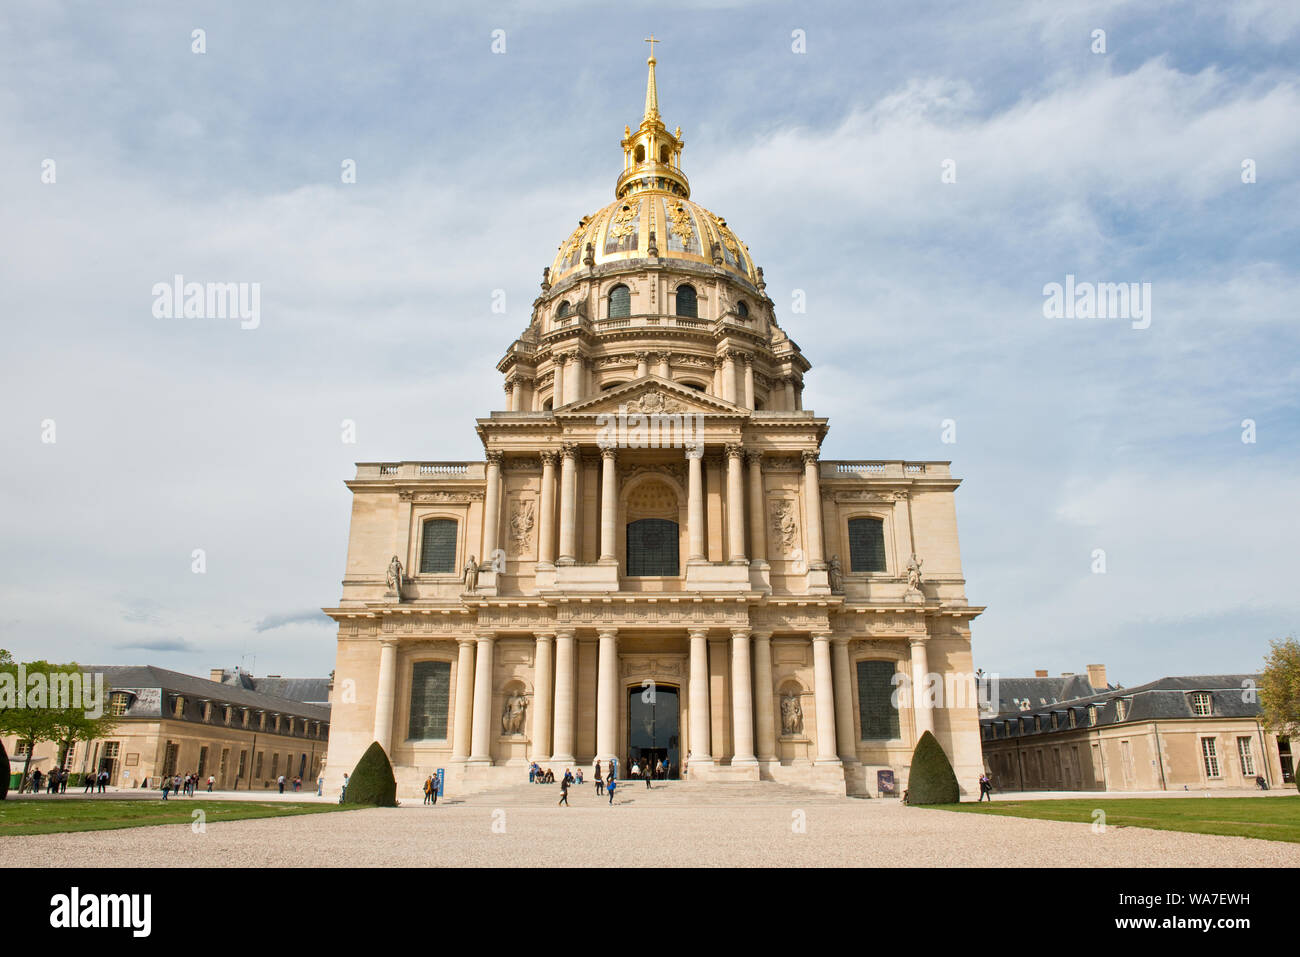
{"x": 924, "y": 298}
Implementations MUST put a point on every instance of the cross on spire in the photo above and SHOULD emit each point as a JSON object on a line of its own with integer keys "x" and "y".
{"x": 652, "y": 41}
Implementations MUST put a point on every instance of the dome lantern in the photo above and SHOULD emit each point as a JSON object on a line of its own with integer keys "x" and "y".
{"x": 652, "y": 157}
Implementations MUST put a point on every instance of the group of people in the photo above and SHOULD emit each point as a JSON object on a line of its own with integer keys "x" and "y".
{"x": 182, "y": 784}
{"x": 56, "y": 782}
{"x": 430, "y": 789}
{"x": 536, "y": 775}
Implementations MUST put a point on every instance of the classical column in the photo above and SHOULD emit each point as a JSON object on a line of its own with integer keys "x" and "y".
{"x": 546, "y": 521}
{"x": 920, "y": 668}
{"x": 481, "y": 739}
{"x": 757, "y": 522}
{"x": 700, "y": 716}
{"x": 543, "y": 682}
{"x": 742, "y": 702}
{"x": 662, "y": 369}
{"x": 812, "y": 504}
{"x": 564, "y": 648}
{"x": 386, "y": 693}
{"x": 789, "y": 393}
{"x": 824, "y": 690}
{"x": 729, "y": 375}
{"x": 511, "y": 392}
{"x": 557, "y": 383}
{"x": 749, "y": 381}
{"x": 642, "y": 364}
{"x": 798, "y": 396}
{"x": 735, "y": 506}
{"x": 607, "y": 695}
{"x": 608, "y": 504}
{"x": 574, "y": 378}
{"x": 695, "y": 501}
{"x": 460, "y": 743}
{"x": 491, "y": 506}
{"x": 569, "y": 505}
{"x": 764, "y": 711}
{"x": 846, "y": 745}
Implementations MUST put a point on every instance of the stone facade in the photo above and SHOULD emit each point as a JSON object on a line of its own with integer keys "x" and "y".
{"x": 654, "y": 413}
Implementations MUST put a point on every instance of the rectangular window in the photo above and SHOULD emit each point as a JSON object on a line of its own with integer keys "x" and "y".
{"x": 652, "y": 548}
{"x": 438, "y": 547}
{"x": 275, "y": 765}
{"x": 1201, "y": 704}
{"x": 257, "y": 765}
{"x": 1210, "y": 755}
{"x": 1126, "y": 762}
{"x": 243, "y": 764}
{"x": 876, "y": 711}
{"x": 1247, "y": 757}
{"x": 866, "y": 545}
{"x": 203, "y": 760}
{"x": 430, "y": 697}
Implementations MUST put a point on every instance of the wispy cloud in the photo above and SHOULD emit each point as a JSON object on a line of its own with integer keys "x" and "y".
{"x": 310, "y": 616}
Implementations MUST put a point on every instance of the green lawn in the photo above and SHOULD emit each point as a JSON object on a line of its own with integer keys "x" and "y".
{"x": 88, "y": 814}
{"x": 1273, "y": 818}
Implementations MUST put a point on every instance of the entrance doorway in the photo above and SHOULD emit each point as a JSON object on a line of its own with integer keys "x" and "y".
{"x": 654, "y": 728}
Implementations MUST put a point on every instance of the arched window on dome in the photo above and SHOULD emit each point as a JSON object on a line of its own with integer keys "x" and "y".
{"x": 663, "y": 155}
{"x": 640, "y": 154}
{"x": 620, "y": 302}
{"x": 742, "y": 310}
{"x": 563, "y": 310}
{"x": 687, "y": 301}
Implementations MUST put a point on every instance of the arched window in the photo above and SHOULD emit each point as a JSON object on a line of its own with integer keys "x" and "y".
{"x": 663, "y": 155}
{"x": 640, "y": 154}
{"x": 563, "y": 310}
{"x": 697, "y": 386}
{"x": 438, "y": 547}
{"x": 687, "y": 303}
{"x": 652, "y": 547}
{"x": 866, "y": 545}
{"x": 620, "y": 302}
{"x": 742, "y": 310}
{"x": 430, "y": 694}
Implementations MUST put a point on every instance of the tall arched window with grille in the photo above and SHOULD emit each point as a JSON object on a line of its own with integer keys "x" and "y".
{"x": 438, "y": 547}
{"x": 687, "y": 302}
{"x": 620, "y": 302}
{"x": 866, "y": 545}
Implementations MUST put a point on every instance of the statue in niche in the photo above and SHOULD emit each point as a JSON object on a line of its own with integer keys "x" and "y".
{"x": 836, "y": 575}
{"x": 394, "y": 578}
{"x": 914, "y": 574}
{"x": 471, "y": 574}
{"x": 512, "y": 718}
{"x": 791, "y": 714}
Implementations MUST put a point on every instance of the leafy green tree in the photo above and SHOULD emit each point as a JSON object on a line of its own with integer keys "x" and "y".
{"x": 38, "y": 720}
{"x": 1279, "y": 689}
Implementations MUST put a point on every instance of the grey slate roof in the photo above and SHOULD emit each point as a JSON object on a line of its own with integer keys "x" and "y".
{"x": 1164, "y": 699}
{"x": 1040, "y": 692}
{"x": 311, "y": 690}
{"x": 148, "y": 677}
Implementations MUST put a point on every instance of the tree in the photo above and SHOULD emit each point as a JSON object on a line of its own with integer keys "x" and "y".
{"x": 372, "y": 780}
{"x": 931, "y": 779}
{"x": 37, "y": 711}
{"x": 1279, "y": 689}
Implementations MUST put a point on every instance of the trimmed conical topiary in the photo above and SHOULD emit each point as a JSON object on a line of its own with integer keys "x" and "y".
{"x": 931, "y": 780}
{"x": 372, "y": 782}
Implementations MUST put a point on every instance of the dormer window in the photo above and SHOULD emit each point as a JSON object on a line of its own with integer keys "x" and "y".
{"x": 118, "y": 702}
{"x": 1092, "y": 714}
{"x": 1121, "y": 709}
{"x": 1201, "y": 704}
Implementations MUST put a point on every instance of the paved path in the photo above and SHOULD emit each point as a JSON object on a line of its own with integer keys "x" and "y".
{"x": 745, "y": 826}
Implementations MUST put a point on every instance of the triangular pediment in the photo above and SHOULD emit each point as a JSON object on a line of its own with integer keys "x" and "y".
{"x": 650, "y": 394}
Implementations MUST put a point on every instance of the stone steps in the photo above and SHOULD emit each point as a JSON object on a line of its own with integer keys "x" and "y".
{"x": 662, "y": 794}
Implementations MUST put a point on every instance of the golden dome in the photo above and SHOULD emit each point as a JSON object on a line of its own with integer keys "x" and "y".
{"x": 653, "y": 216}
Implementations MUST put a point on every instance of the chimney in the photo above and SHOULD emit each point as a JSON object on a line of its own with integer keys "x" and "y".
{"x": 1097, "y": 676}
{"x": 1040, "y": 673}
{"x": 217, "y": 674}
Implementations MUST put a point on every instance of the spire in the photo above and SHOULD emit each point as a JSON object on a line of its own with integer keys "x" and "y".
{"x": 652, "y": 157}
{"x": 651, "y": 88}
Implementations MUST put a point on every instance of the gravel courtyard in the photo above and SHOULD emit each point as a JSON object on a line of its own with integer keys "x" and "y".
{"x": 665, "y": 827}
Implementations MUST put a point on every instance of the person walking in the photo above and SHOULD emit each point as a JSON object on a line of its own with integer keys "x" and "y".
{"x": 433, "y": 794}
{"x": 167, "y": 786}
{"x": 600, "y": 784}
{"x": 564, "y": 789}
{"x": 610, "y": 788}
{"x": 320, "y": 786}
{"x": 211, "y": 781}
{"x": 280, "y": 780}
{"x": 103, "y": 781}
{"x": 986, "y": 787}
{"x": 89, "y": 782}
{"x": 343, "y": 792}
{"x": 428, "y": 786}
{"x": 648, "y": 773}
